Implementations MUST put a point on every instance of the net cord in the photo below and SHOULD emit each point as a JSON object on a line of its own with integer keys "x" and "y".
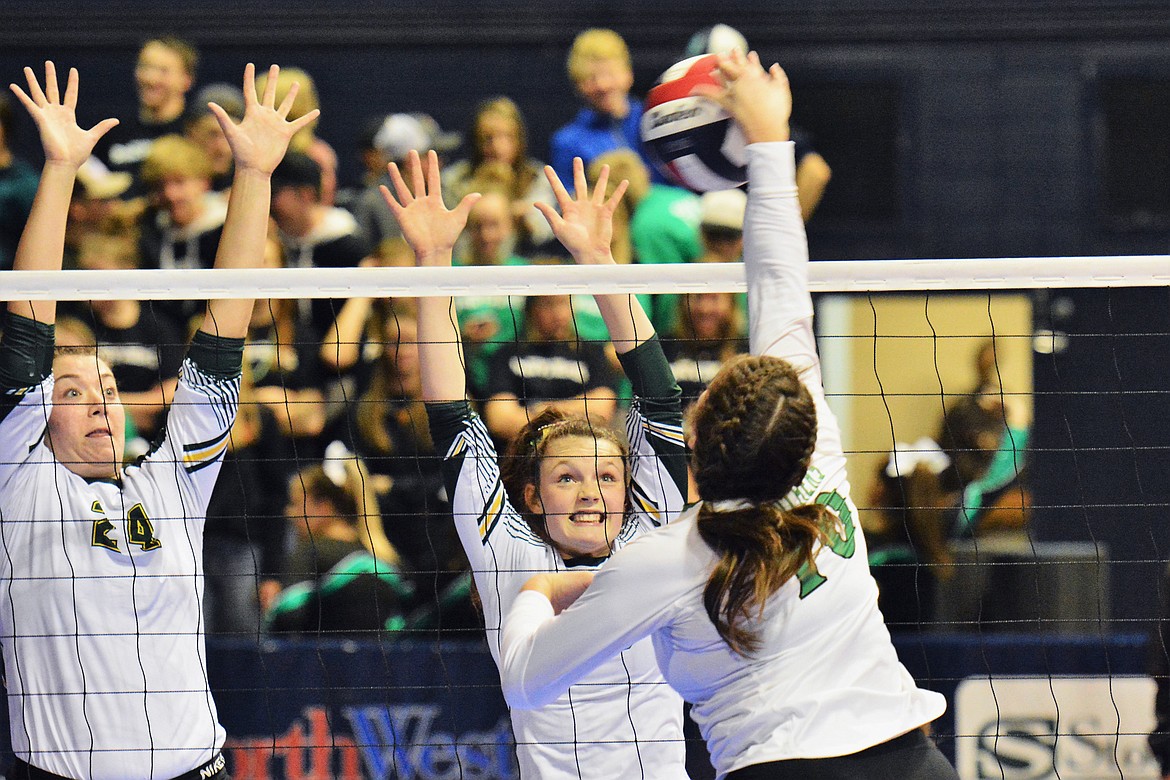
{"x": 825, "y": 277}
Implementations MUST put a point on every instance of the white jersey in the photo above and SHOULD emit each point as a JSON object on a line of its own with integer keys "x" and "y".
{"x": 621, "y": 720}
{"x": 100, "y": 593}
{"x": 826, "y": 680}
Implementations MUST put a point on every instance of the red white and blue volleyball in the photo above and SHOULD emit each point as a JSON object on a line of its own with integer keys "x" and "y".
{"x": 692, "y": 139}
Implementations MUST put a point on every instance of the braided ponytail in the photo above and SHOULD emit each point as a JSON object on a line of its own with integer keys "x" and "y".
{"x": 754, "y": 432}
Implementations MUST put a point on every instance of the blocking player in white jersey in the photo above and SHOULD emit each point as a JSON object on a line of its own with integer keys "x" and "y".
{"x": 101, "y": 573}
{"x": 759, "y": 600}
{"x": 569, "y": 495}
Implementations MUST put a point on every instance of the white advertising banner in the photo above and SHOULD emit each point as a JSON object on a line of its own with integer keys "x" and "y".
{"x": 1063, "y": 728}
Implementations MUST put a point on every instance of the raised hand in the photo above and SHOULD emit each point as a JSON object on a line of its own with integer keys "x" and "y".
{"x": 261, "y": 138}
{"x": 63, "y": 140}
{"x": 760, "y": 101}
{"x": 427, "y": 225}
{"x": 585, "y": 223}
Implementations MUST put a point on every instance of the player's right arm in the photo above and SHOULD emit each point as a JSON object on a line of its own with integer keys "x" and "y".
{"x": 66, "y": 147}
{"x": 26, "y": 349}
{"x": 431, "y": 229}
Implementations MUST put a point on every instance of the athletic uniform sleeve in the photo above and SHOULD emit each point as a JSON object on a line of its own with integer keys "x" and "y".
{"x": 200, "y": 419}
{"x": 502, "y": 550}
{"x": 26, "y": 390}
{"x": 658, "y": 469}
{"x": 542, "y": 655}
{"x": 471, "y": 475}
{"x": 775, "y": 256}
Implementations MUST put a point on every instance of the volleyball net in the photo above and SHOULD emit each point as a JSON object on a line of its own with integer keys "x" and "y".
{"x": 1004, "y": 420}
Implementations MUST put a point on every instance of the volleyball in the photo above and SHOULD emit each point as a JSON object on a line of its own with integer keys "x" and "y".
{"x": 690, "y": 138}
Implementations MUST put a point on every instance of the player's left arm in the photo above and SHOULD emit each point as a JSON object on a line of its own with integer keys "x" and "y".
{"x": 258, "y": 145}
{"x": 200, "y": 420}
{"x": 658, "y": 455}
{"x": 584, "y": 224}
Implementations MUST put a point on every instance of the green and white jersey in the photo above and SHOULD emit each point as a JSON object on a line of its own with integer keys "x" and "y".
{"x": 622, "y": 720}
{"x": 825, "y": 680}
{"x": 101, "y": 585}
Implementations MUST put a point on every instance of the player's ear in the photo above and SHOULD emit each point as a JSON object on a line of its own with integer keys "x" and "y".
{"x": 532, "y": 499}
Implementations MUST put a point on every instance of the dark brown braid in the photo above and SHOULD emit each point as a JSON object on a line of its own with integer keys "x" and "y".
{"x": 754, "y": 432}
{"x": 520, "y": 465}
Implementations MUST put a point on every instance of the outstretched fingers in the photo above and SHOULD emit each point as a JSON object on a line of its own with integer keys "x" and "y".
{"x": 23, "y": 97}
{"x": 101, "y": 128}
{"x": 551, "y": 215}
{"x": 285, "y": 105}
{"x": 51, "y": 82}
{"x": 433, "y": 180}
{"x": 221, "y": 116}
{"x": 618, "y": 192}
{"x": 304, "y": 121}
{"x": 559, "y": 191}
{"x": 463, "y": 210}
{"x": 599, "y": 187}
{"x": 269, "y": 97}
{"x": 580, "y": 183}
{"x": 71, "y": 89}
{"x": 417, "y": 180}
{"x": 400, "y": 189}
{"x": 34, "y": 88}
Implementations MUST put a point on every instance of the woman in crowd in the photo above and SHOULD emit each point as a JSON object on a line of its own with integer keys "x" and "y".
{"x": 499, "y": 160}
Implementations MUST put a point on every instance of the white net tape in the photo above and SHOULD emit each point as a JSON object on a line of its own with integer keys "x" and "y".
{"x": 825, "y": 276}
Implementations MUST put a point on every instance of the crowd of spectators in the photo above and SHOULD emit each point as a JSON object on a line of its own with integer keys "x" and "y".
{"x": 330, "y": 514}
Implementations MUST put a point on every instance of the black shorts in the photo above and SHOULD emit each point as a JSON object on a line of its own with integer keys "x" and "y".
{"x": 215, "y": 769}
{"x": 912, "y": 756}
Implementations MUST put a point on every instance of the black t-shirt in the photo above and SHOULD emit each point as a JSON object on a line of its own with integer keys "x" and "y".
{"x": 141, "y": 356}
{"x": 158, "y": 247}
{"x": 124, "y": 147}
{"x": 339, "y": 250}
{"x": 549, "y": 370}
{"x": 295, "y": 369}
{"x": 695, "y": 363}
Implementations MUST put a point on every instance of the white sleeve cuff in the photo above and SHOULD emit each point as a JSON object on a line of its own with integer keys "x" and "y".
{"x": 772, "y": 166}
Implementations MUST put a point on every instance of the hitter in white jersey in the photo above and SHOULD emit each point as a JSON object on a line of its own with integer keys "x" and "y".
{"x": 101, "y": 572}
{"x": 759, "y": 600}
{"x": 569, "y": 494}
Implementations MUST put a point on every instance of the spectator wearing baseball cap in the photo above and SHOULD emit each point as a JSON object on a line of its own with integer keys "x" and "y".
{"x": 202, "y": 128}
{"x": 392, "y": 140}
{"x": 98, "y": 205}
{"x": 721, "y": 225}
